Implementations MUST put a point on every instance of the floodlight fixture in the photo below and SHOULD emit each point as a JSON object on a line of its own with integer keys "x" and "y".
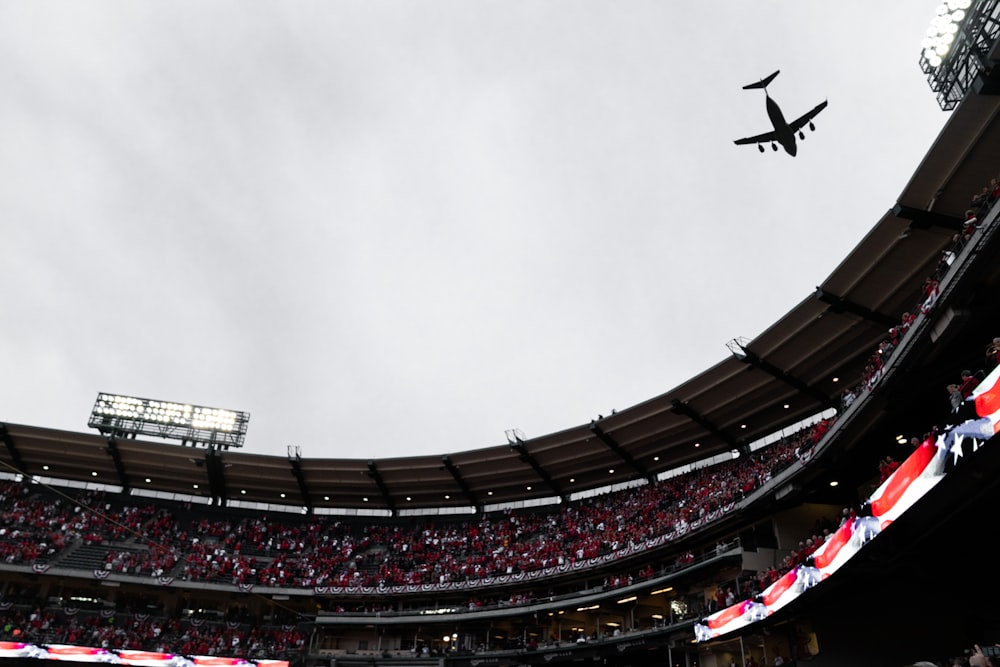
{"x": 125, "y": 416}
{"x": 514, "y": 436}
{"x": 955, "y": 52}
{"x": 738, "y": 347}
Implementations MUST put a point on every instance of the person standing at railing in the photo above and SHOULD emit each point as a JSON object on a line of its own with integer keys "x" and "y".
{"x": 969, "y": 383}
{"x": 993, "y": 354}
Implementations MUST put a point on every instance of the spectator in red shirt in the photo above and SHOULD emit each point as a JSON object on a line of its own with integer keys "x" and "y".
{"x": 969, "y": 383}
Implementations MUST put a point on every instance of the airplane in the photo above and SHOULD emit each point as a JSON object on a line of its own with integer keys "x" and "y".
{"x": 783, "y": 132}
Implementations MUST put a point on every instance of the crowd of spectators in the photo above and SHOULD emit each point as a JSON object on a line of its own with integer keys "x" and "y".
{"x": 34, "y": 528}
{"x": 290, "y": 552}
{"x": 293, "y": 552}
{"x": 142, "y": 632}
{"x": 980, "y": 206}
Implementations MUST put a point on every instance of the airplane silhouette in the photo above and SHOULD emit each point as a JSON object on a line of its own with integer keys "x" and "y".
{"x": 783, "y": 132}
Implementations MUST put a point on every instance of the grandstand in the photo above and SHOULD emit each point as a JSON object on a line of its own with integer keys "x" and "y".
{"x": 619, "y": 541}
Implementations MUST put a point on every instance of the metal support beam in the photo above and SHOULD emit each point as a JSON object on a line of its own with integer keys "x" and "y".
{"x": 453, "y": 469}
{"x": 753, "y": 360}
{"x": 923, "y": 219}
{"x": 216, "y": 476}
{"x": 839, "y": 304}
{"x": 682, "y": 408}
{"x": 12, "y": 449}
{"x": 295, "y": 459}
{"x": 377, "y": 476}
{"x": 116, "y": 458}
{"x": 613, "y": 445}
{"x": 518, "y": 446}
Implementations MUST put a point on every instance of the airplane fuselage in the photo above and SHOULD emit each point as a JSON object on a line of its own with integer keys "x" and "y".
{"x": 783, "y": 133}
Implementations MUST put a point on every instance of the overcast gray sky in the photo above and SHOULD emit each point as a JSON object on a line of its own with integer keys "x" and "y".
{"x": 395, "y": 228}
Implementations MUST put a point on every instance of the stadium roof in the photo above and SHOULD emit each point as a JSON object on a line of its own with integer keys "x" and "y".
{"x": 795, "y": 369}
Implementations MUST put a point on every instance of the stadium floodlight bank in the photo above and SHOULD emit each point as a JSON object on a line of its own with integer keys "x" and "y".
{"x": 956, "y": 53}
{"x": 128, "y": 416}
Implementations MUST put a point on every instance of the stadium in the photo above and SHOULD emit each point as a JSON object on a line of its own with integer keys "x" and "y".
{"x": 816, "y": 497}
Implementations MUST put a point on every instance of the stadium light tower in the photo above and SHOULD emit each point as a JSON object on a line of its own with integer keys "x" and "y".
{"x": 128, "y": 416}
{"x": 956, "y": 52}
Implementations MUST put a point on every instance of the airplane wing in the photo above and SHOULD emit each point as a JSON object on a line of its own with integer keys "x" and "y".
{"x": 801, "y": 121}
{"x": 759, "y": 139}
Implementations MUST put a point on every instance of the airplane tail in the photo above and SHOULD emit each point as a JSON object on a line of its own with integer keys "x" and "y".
{"x": 762, "y": 83}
